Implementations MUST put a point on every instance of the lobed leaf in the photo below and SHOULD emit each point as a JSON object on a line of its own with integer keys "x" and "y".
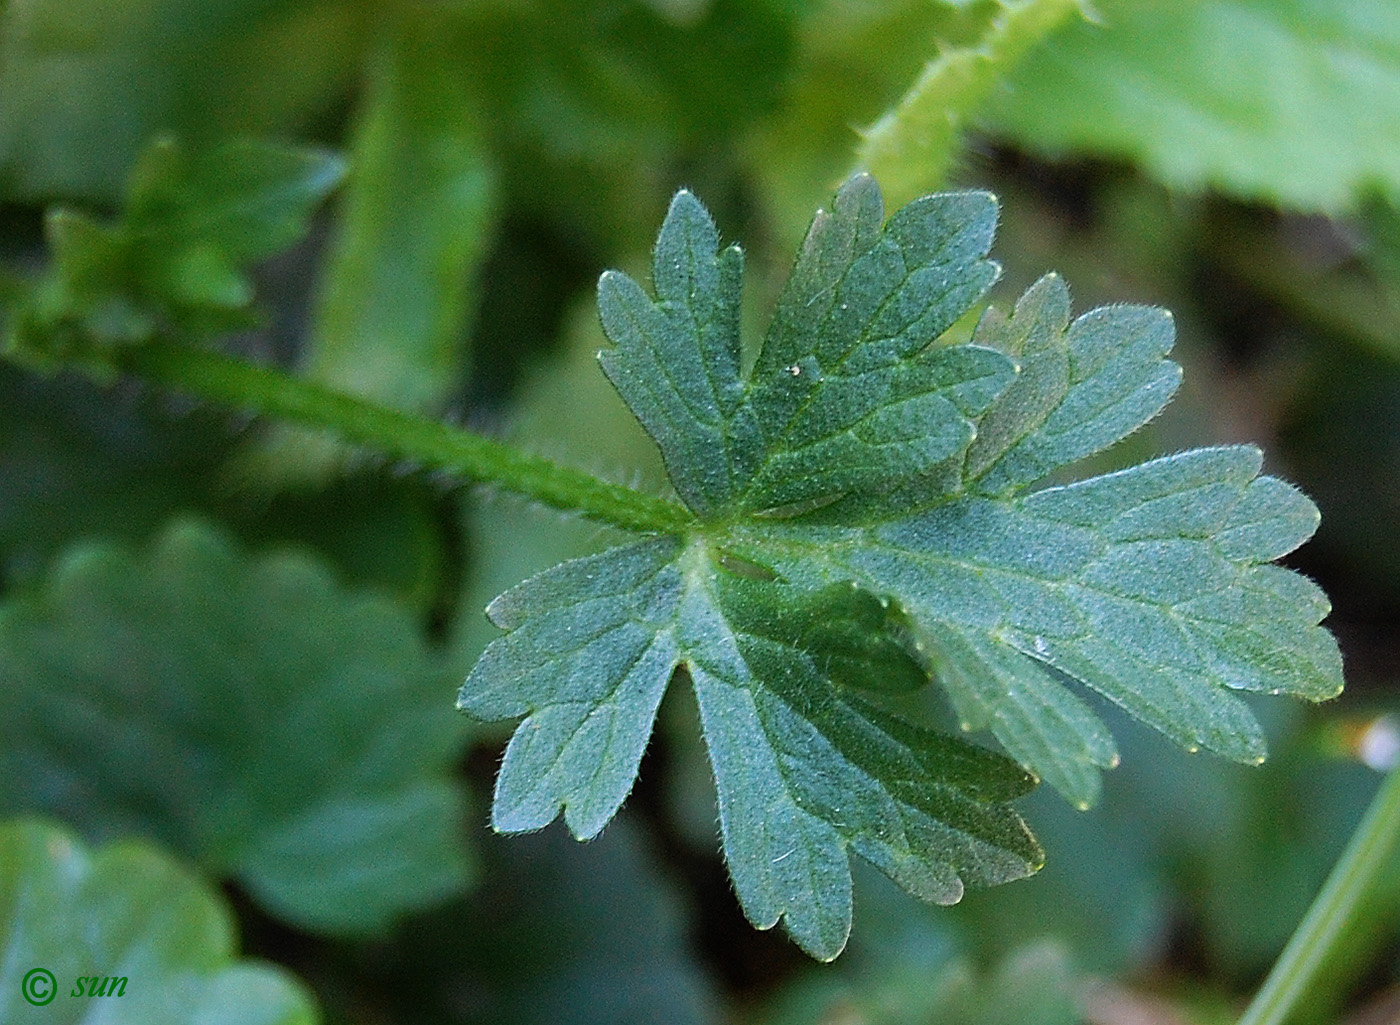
{"x": 587, "y": 658}
{"x": 866, "y": 519}
{"x": 1140, "y": 584}
{"x": 848, "y": 393}
{"x": 676, "y": 360}
{"x": 1039, "y": 722}
{"x": 806, "y": 769}
{"x": 1082, "y": 386}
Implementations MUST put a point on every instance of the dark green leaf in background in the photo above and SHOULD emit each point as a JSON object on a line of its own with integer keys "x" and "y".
{"x": 126, "y": 912}
{"x": 557, "y": 932}
{"x": 247, "y": 712}
{"x": 79, "y": 461}
{"x": 916, "y": 985}
{"x": 590, "y": 108}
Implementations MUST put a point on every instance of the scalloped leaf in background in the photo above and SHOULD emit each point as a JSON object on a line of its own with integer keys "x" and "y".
{"x": 248, "y": 712}
{"x": 125, "y": 911}
{"x": 1290, "y": 102}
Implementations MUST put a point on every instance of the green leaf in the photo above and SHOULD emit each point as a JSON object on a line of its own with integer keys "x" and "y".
{"x": 248, "y": 712}
{"x": 244, "y": 200}
{"x": 1287, "y": 102}
{"x": 847, "y": 395}
{"x": 589, "y": 653}
{"x": 1081, "y": 386}
{"x": 806, "y": 768}
{"x": 78, "y": 461}
{"x": 913, "y": 146}
{"x": 867, "y": 517}
{"x": 176, "y": 259}
{"x": 677, "y": 359}
{"x": 419, "y": 210}
{"x": 589, "y": 109}
{"x": 1148, "y": 585}
{"x": 125, "y": 912}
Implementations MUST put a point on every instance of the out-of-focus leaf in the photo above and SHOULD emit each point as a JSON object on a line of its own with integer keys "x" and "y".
{"x": 923, "y": 984}
{"x": 1122, "y": 882}
{"x": 1273, "y": 836}
{"x": 177, "y": 258}
{"x": 911, "y": 149}
{"x": 1343, "y": 303}
{"x": 1286, "y": 101}
{"x": 75, "y": 461}
{"x": 591, "y": 935}
{"x": 158, "y": 938}
{"x": 1103, "y": 893}
{"x": 1344, "y": 433}
{"x": 392, "y": 317}
{"x": 86, "y": 84}
{"x": 248, "y": 712}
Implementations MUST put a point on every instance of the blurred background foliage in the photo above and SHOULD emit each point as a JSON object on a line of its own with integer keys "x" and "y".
{"x": 171, "y": 576}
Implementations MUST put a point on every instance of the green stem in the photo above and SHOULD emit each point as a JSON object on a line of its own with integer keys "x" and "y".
{"x": 1366, "y": 854}
{"x": 243, "y": 385}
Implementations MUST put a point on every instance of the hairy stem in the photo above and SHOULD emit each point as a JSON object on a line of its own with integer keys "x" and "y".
{"x": 1366, "y": 854}
{"x": 243, "y": 385}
